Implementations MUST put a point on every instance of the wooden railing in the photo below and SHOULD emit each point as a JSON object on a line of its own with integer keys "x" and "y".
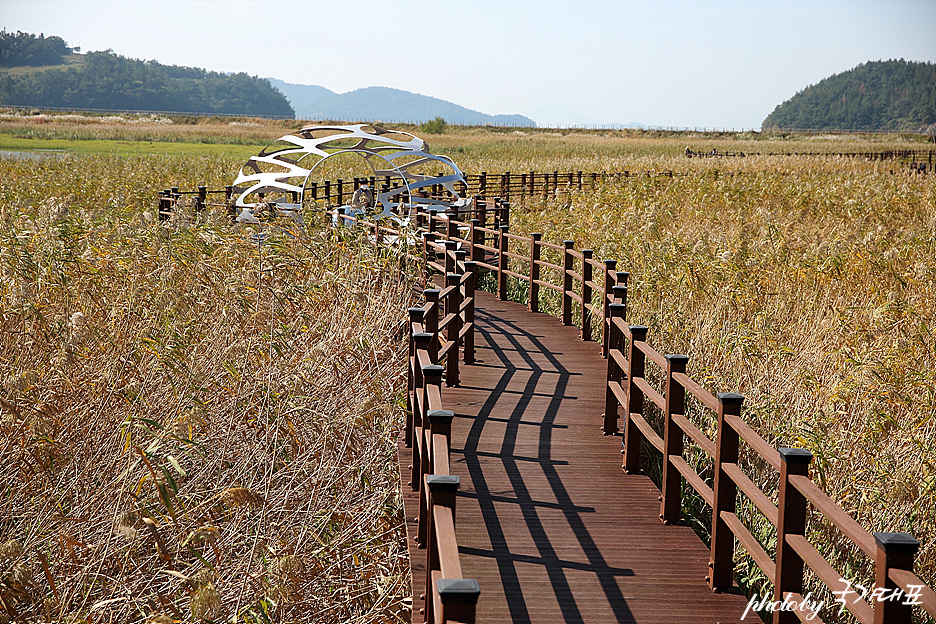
{"x": 593, "y": 294}
{"x": 437, "y": 331}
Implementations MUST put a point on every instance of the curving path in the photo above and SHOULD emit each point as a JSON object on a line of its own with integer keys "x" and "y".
{"x": 547, "y": 522}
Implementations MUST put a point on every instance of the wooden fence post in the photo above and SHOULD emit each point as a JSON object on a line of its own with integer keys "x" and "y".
{"x": 437, "y": 421}
{"x": 586, "y": 293}
{"x": 202, "y": 198}
{"x": 431, "y": 322}
{"x": 635, "y": 364}
{"x": 615, "y": 344}
{"x": 502, "y": 247}
{"x": 620, "y": 280}
{"x": 421, "y": 342}
{"x": 471, "y": 269}
{"x": 671, "y": 490}
{"x": 428, "y": 256}
{"x": 534, "y": 270}
{"x": 567, "y": 260}
{"x": 476, "y": 236}
{"x": 450, "y": 248}
{"x": 894, "y": 551}
{"x": 442, "y": 490}
{"x": 721, "y": 559}
{"x": 452, "y": 306}
{"x": 430, "y": 375}
{"x": 415, "y": 316}
{"x": 610, "y": 265}
{"x": 791, "y": 520}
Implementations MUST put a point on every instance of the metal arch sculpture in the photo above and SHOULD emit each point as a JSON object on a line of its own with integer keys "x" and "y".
{"x": 280, "y": 168}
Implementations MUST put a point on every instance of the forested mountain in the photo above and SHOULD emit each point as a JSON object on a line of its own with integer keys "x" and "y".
{"x": 26, "y": 50}
{"x": 382, "y": 103}
{"x": 896, "y": 96}
{"x": 108, "y": 81}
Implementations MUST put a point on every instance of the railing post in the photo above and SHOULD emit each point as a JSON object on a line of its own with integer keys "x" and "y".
{"x": 428, "y": 256}
{"x": 586, "y": 293}
{"x": 451, "y": 229}
{"x": 438, "y": 421}
{"x": 635, "y": 364}
{"x": 610, "y": 265}
{"x": 416, "y": 316}
{"x": 452, "y": 306}
{"x": 471, "y": 269}
{"x": 894, "y": 551}
{"x": 615, "y": 342}
{"x": 502, "y": 247}
{"x": 459, "y": 599}
{"x": 476, "y": 236}
{"x": 534, "y": 270}
{"x": 442, "y": 490}
{"x": 202, "y": 198}
{"x": 721, "y": 558}
{"x": 670, "y": 507}
{"x": 567, "y": 260}
{"x": 791, "y": 520}
{"x": 450, "y": 247}
{"x": 460, "y": 257}
{"x": 431, "y": 322}
{"x": 620, "y": 286}
{"x": 432, "y": 376}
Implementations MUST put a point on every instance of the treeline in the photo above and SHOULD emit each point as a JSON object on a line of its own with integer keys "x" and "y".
{"x": 27, "y": 50}
{"x": 107, "y": 81}
{"x": 894, "y": 96}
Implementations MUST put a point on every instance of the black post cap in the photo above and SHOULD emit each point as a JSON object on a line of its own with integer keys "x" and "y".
{"x": 421, "y": 337}
{"x": 433, "y": 370}
{"x": 442, "y": 483}
{"x": 464, "y": 591}
{"x": 676, "y": 359}
{"x": 730, "y": 398}
{"x": 440, "y": 416}
{"x": 795, "y": 455}
{"x": 897, "y": 542}
{"x": 616, "y": 309}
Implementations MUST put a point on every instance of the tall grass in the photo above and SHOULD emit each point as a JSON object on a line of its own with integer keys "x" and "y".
{"x": 194, "y": 427}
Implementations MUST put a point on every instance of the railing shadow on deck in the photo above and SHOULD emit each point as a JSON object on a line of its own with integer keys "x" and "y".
{"x": 560, "y": 378}
{"x": 460, "y": 250}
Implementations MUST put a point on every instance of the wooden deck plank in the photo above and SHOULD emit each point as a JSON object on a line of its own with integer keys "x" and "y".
{"x": 546, "y": 521}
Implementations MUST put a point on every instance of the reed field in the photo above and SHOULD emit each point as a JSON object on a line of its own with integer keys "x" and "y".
{"x": 195, "y": 427}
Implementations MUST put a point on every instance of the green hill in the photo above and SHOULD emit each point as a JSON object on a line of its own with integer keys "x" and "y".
{"x": 38, "y": 72}
{"x": 895, "y": 96}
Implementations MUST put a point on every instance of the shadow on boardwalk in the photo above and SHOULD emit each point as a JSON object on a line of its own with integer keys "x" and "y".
{"x": 546, "y": 520}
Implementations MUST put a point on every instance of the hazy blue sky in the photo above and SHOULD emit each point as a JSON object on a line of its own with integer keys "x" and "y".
{"x": 667, "y": 62}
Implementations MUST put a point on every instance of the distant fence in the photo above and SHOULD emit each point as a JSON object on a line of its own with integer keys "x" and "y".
{"x": 506, "y": 185}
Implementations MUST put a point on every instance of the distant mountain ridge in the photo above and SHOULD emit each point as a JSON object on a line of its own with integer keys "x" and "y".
{"x": 382, "y": 104}
{"x": 892, "y": 96}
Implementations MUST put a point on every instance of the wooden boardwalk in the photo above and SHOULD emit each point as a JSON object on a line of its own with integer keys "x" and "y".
{"x": 547, "y": 522}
